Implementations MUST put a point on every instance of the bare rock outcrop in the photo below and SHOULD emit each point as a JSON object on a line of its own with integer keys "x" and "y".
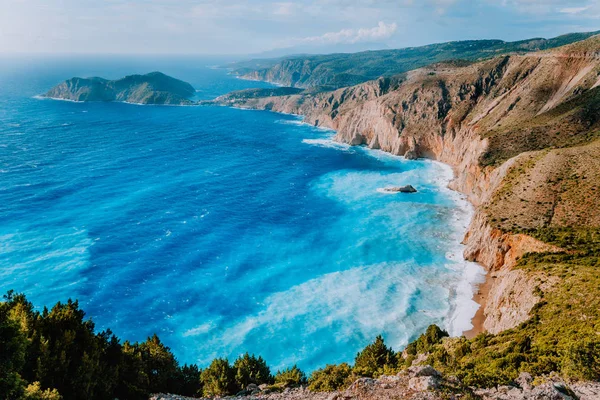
{"x": 425, "y": 383}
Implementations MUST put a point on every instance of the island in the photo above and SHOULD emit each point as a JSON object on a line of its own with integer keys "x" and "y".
{"x": 152, "y": 88}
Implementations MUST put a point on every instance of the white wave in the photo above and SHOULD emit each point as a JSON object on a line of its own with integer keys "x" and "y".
{"x": 385, "y": 190}
{"x": 40, "y": 97}
{"x": 462, "y": 305}
{"x": 327, "y": 143}
{"x": 291, "y": 122}
{"x": 361, "y": 302}
{"x": 357, "y": 188}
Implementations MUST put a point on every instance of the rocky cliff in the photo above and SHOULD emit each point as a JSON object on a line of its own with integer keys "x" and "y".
{"x": 510, "y": 127}
{"x": 152, "y": 88}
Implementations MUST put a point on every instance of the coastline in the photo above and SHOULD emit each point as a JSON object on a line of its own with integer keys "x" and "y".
{"x": 42, "y": 97}
{"x": 479, "y": 290}
{"x": 480, "y": 297}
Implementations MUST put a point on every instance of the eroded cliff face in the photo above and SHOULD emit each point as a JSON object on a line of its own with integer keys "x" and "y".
{"x": 464, "y": 117}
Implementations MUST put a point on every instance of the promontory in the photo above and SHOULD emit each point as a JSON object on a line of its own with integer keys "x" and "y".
{"x": 152, "y": 88}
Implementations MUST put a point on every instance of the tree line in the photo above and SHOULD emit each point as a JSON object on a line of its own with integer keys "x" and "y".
{"x": 57, "y": 354}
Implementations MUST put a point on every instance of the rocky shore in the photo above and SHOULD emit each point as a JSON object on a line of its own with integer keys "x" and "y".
{"x": 425, "y": 383}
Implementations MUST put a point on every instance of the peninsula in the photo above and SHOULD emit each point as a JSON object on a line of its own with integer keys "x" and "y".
{"x": 153, "y": 88}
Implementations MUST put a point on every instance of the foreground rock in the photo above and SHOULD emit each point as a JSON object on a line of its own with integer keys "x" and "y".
{"x": 425, "y": 383}
{"x": 152, "y": 88}
{"x": 400, "y": 189}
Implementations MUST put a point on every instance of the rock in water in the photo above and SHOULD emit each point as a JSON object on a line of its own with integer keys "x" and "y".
{"x": 400, "y": 189}
{"x": 152, "y": 88}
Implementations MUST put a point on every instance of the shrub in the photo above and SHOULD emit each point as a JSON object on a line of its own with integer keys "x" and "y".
{"x": 219, "y": 379}
{"x": 249, "y": 369}
{"x": 331, "y": 378}
{"x": 290, "y": 377}
{"x": 160, "y": 365}
{"x": 189, "y": 383}
{"x": 426, "y": 341}
{"x": 374, "y": 359}
{"x": 12, "y": 354}
{"x": 35, "y": 392}
{"x": 582, "y": 360}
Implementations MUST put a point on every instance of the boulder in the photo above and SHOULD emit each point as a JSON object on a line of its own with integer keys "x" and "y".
{"x": 252, "y": 389}
{"x": 423, "y": 370}
{"x": 400, "y": 189}
{"x": 424, "y": 383}
{"x": 524, "y": 381}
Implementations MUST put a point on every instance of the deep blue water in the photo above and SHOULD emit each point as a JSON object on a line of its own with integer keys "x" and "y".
{"x": 222, "y": 230}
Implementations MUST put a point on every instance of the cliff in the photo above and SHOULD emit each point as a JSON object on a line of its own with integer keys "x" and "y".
{"x": 152, "y": 88}
{"x": 520, "y": 132}
{"x": 340, "y": 70}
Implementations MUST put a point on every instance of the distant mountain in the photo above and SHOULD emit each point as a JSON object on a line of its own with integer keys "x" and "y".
{"x": 152, "y": 88}
{"x": 305, "y": 50}
{"x": 340, "y": 70}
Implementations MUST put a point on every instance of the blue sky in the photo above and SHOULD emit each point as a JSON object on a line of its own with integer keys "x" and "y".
{"x": 253, "y": 26}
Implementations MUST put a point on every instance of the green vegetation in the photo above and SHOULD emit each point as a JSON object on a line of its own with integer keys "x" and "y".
{"x": 333, "y": 71}
{"x": 250, "y": 369}
{"x": 259, "y": 93}
{"x": 570, "y": 124}
{"x": 432, "y": 336}
{"x": 219, "y": 378}
{"x": 562, "y": 334}
{"x": 331, "y": 378}
{"x": 57, "y": 353}
{"x": 375, "y": 360}
{"x": 35, "y": 392}
{"x": 152, "y": 88}
{"x": 290, "y": 377}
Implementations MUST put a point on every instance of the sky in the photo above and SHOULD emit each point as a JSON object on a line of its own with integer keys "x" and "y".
{"x": 253, "y": 26}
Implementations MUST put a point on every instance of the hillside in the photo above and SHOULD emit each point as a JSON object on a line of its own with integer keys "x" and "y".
{"x": 339, "y": 70}
{"x": 152, "y": 88}
{"x": 522, "y": 132}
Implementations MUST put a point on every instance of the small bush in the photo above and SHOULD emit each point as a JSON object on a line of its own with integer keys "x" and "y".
{"x": 374, "y": 359}
{"x": 581, "y": 361}
{"x": 249, "y": 369}
{"x": 34, "y": 392}
{"x": 290, "y": 377}
{"x": 219, "y": 379}
{"x": 189, "y": 383}
{"x": 331, "y": 378}
{"x": 426, "y": 341}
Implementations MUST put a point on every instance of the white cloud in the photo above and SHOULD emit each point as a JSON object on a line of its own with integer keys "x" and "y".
{"x": 363, "y": 35}
{"x": 573, "y": 10}
{"x": 541, "y": 7}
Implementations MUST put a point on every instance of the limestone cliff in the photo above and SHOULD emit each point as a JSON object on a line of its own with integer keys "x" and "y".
{"x": 507, "y": 126}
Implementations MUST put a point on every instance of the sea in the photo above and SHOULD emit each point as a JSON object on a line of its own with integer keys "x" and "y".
{"x": 222, "y": 230}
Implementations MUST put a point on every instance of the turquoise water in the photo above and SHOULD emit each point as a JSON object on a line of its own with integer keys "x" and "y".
{"x": 222, "y": 230}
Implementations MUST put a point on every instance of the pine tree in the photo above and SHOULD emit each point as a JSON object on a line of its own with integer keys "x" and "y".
{"x": 372, "y": 361}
